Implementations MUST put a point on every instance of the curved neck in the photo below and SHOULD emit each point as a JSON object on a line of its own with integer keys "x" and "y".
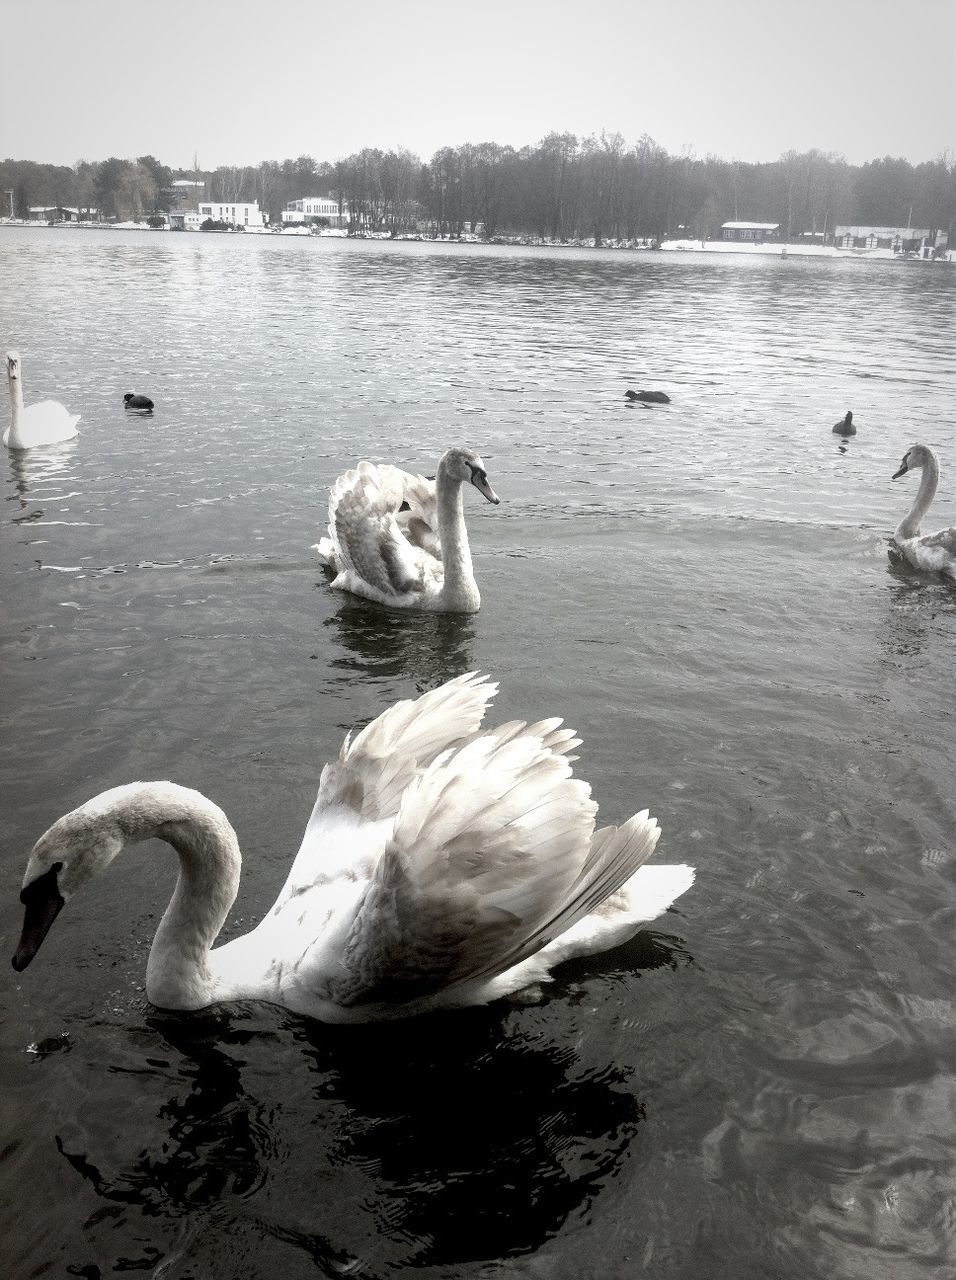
{"x": 459, "y": 589}
{"x": 178, "y": 973}
{"x": 16, "y": 408}
{"x": 909, "y": 527}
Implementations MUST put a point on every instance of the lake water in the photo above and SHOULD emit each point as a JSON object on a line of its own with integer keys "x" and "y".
{"x": 763, "y": 1084}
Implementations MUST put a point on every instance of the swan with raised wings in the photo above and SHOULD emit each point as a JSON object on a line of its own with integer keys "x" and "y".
{"x": 400, "y": 539}
{"x": 935, "y": 552}
{"x": 443, "y": 865}
{"x": 46, "y": 422}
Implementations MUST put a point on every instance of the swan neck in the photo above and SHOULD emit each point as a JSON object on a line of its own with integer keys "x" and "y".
{"x": 910, "y": 526}
{"x": 16, "y": 408}
{"x": 459, "y": 579}
{"x": 178, "y": 972}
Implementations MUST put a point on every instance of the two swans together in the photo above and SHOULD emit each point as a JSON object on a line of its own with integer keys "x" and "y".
{"x": 443, "y": 865}
{"x": 400, "y": 539}
{"x": 935, "y": 552}
{"x": 47, "y": 422}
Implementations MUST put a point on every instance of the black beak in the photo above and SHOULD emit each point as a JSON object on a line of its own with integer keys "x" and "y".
{"x": 43, "y": 901}
{"x": 902, "y": 471}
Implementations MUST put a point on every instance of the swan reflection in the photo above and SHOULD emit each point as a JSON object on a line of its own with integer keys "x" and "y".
{"x": 429, "y": 648}
{"x": 441, "y": 1141}
{"x": 33, "y": 471}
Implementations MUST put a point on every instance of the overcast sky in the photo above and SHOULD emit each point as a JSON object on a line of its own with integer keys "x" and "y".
{"x": 239, "y": 81}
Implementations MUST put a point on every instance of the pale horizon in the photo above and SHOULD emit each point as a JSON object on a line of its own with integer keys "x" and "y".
{"x": 235, "y": 83}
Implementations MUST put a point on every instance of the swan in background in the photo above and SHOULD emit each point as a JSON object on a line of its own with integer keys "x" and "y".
{"x": 443, "y": 865}
{"x": 47, "y": 422}
{"x": 137, "y": 402}
{"x": 401, "y": 539}
{"x": 845, "y": 426}
{"x": 935, "y": 552}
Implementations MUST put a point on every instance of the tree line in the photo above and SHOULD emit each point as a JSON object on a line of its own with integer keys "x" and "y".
{"x": 563, "y": 188}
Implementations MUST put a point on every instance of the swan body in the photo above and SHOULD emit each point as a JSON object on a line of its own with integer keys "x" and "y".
{"x": 647, "y": 397}
{"x": 935, "y": 552}
{"x": 138, "y": 402}
{"x": 46, "y": 422}
{"x": 400, "y": 539}
{"x": 845, "y": 426}
{"x": 443, "y": 865}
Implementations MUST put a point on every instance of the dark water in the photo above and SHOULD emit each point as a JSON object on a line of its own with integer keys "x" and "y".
{"x": 764, "y": 1083}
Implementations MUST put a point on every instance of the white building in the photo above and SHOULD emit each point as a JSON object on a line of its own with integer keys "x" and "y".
{"x": 233, "y": 212}
{"x": 311, "y": 207}
{"x": 185, "y": 220}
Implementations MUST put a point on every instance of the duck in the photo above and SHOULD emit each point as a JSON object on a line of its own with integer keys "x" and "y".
{"x": 647, "y": 397}
{"x": 46, "y": 422}
{"x": 845, "y": 426}
{"x": 137, "y": 402}
{"x": 443, "y": 865}
{"x": 400, "y": 539}
{"x": 935, "y": 552}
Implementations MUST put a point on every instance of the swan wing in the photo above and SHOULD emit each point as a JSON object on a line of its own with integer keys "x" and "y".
{"x": 361, "y": 792}
{"x": 375, "y": 768}
{"x": 418, "y": 511}
{"x": 368, "y": 541}
{"x": 46, "y": 422}
{"x": 491, "y": 848}
{"x": 944, "y": 540}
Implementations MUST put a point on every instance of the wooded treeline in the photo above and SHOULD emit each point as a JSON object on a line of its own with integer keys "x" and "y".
{"x": 562, "y": 188}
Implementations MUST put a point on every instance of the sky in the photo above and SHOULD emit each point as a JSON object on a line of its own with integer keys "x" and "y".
{"x": 233, "y": 82}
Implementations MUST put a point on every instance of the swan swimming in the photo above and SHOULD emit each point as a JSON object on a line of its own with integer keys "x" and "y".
{"x": 845, "y": 426}
{"x": 443, "y": 865}
{"x": 400, "y": 539}
{"x": 935, "y": 552}
{"x": 46, "y": 422}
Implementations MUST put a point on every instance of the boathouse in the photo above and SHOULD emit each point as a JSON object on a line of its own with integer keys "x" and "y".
{"x": 750, "y": 232}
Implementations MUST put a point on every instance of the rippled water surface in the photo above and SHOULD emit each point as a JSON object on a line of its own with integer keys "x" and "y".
{"x": 761, "y": 1085}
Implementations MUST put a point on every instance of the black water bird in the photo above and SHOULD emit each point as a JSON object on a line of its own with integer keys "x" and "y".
{"x": 845, "y": 426}
{"x": 647, "y": 397}
{"x": 137, "y": 402}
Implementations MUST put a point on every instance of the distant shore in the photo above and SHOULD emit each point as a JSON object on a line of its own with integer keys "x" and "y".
{"x": 775, "y": 249}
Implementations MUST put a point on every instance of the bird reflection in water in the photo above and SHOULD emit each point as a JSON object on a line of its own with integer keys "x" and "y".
{"x": 428, "y": 648}
{"x": 438, "y": 1141}
{"x": 25, "y": 472}
{"x": 919, "y": 613}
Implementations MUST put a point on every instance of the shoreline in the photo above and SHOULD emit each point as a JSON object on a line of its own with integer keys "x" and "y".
{"x": 766, "y": 249}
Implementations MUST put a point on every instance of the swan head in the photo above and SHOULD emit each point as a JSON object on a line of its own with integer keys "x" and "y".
{"x": 13, "y": 366}
{"x": 71, "y": 852}
{"x": 914, "y": 458}
{"x": 465, "y": 466}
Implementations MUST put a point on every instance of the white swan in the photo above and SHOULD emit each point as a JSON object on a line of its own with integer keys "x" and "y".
{"x": 935, "y": 552}
{"x": 443, "y": 865}
{"x": 47, "y": 422}
{"x": 400, "y": 539}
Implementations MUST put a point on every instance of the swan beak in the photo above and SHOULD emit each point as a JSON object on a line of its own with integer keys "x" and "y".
{"x": 902, "y": 471}
{"x": 43, "y": 901}
{"x": 480, "y": 481}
